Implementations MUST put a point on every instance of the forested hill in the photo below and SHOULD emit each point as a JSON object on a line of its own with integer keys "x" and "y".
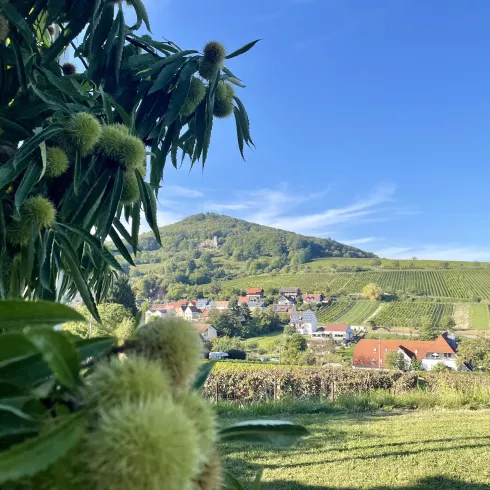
{"x": 243, "y": 240}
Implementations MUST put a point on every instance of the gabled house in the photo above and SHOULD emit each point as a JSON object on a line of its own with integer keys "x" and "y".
{"x": 288, "y": 309}
{"x": 243, "y": 300}
{"x": 191, "y": 313}
{"x": 374, "y": 353}
{"x": 254, "y": 304}
{"x": 286, "y": 300}
{"x": 312, "y": 298}
{"x": 202, "y": 303}
{"x": 305, "y": 322}
{"x": 291, "y": 292}
{"x": 255, "y": 292}
{"x": 159, "y": 311}
{"x": 337, "y": 331}
{"x": 221, "y": 305}
{"x": 206, "y": 330}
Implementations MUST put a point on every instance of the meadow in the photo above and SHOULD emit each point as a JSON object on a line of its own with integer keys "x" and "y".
{"x": 421, "y": 450}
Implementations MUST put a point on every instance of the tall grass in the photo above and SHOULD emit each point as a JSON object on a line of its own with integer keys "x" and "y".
{"x": 445, "y": 398}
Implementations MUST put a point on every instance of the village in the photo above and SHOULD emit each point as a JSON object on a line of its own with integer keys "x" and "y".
{"x": 406, "y": 354}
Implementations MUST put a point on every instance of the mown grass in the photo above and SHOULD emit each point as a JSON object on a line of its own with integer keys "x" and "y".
{"x": 270, "y": 341}
{"x": 479, "y": 316}
{"x": 431, "y": 449}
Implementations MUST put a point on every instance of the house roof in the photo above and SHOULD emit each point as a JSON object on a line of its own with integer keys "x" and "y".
{"x": 289, "y": 290}
{"x": 336, "y": 327}
{"x": 242, "y": 299}
{"x": 158, "y": 308}
{"x": 193, "y": 309}
{"x": 364, "y": 352}
{"x": 201, "y": 303}
{"x": 284, "y": 308}
{"x": 255, "y": 291}
{"x": 223, "y": 304}
{"x": 201, "y": 327}
{"x": 178, "y": 304}
{"x": 312, "y": 297}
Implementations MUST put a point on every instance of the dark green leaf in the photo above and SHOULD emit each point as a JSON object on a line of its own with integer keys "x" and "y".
{"x": 243, "y": 49}
{"x": 77, "y": 169}
{"x": 94, "y": 348}
{"x": 141, "y": 15}
{"x": 38, "y": 453}
{"x": 154, "y": 68}
{"x": 58, "y": 352}
{"x": 166, "y": 75}
{"x": 113, "y": 203}
{"x": 239, "y": 132}
{"x": 102, "y": 30}
{"x": 118, "y": 48}
{"x": 233, "y": 80}
{"x": 74, "y": 268}
{"x": 122, "y": 230}
{"x": 27, "y": 372}
{"x": 95, "y": 244}
{"x": 16, "y": 19}
{"x": 135, "y": 223}
{"x": 16, "y": 314}
{"x": 275, "y": 432}
{"x": 107, "y": 106}
{"x": 19, "y": 65}
{"x": 231, "y": 482}
{"x": 15, "y": 346}
{"x": 244, "y": 121}
{"x": 53, "y": 102}
{"x": 9, "y": 172}
{"x": 202, "y": 375}
{"x": 149, "y": 206}
{"x": 32, "y": 143}
{"x": 15, "y": 131}
{"x": 120, "y": 246}
{"x": 180, "y": 94}
{"x": 92, "y": 199}
{"x": 32, "y": 175}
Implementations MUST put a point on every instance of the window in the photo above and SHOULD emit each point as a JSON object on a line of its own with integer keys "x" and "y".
{"x": 416, "y": 351}
{"x": 435, "y": 355}
{"x": 374, "y": 349}
{"x": 374, "y": 360}
{"x": 386, "y": 349}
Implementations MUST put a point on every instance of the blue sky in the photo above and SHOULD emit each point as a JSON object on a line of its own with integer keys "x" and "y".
{"x": 371, "y": 121}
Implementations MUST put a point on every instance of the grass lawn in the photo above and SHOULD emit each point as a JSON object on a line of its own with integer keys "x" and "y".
{"x": 271, "y": 340}
{"x": 479, "y": 316}
{"x": 424, "y": 450}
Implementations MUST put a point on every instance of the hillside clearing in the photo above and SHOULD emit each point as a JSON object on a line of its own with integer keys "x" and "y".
{"x": 479, "y": 317}
{"x": 419, "y": 450}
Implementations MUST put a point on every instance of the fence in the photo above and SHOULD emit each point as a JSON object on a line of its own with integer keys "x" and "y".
{"x": 238, "y": 384}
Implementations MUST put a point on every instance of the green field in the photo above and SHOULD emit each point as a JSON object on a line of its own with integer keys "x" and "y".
{"x": 423, "y": 450}
{"x": 268, "y": 342}
{"x": 347, "y": 311}
{"x": 479, "y": 316}
{"x": 464, "y": 284}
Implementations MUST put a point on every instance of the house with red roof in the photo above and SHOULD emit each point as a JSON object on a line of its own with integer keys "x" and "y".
{"x": 374, "y": 353}
{"x": 159, "y": 311}
{"x": 255, "y": 292}
{"x": 311, "y": 298}
{"x": 339, "y": 332}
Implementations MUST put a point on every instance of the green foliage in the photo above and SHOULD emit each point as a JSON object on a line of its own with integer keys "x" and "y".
{"x": 427, "y": 330}
{"x": 372, "y": 292}
{"x": 475, "y": 352}
{"x": 121, "y": 293}
{"x": 127, "y": 102}
{"x": 396, "y": 360}
{"x": 91, "y": 420}
{"x": 292, "y": 348}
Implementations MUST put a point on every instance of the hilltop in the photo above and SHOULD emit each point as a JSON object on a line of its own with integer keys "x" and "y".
{"x": 244, "y": 240}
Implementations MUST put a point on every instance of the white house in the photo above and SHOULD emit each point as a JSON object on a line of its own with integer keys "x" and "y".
{"x": 191, "y": 313}
{"x": 338, "y": 332}
{"x": 254, "y": 304}
{"x": 285, "y": 300}
{"x": 305, "y": 322}
{"x": 375, "y": 353}
{"x": 206, "y": 330}
{"x": 159, "y": 311}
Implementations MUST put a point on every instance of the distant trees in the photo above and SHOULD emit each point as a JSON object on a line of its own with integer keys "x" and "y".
{"x": 444, "y": 265}
{"x": 395, "y": 264}
{"x": 447, "y": 323}
{"x": 289, "y": 330}
{"x": 121, "y": 293}
{"x": 292, "y": 348}
{"x": 427, "y": 330}
{"x": 372, "y": 292}
{"x": 376, "y": 262}
{"x": 475, "y": 352}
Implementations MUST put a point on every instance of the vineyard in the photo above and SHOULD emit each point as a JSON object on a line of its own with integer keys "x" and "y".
{"x": 346, "y": 311}
{"x": 463, "y": 284}
{"x": 405, "y": 314}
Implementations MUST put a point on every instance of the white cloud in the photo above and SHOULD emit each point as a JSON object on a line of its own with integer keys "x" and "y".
{"x": 178, "y": 191}
{"x": 219, "y": 208}
{"x": 451, "y": 251}
{"x": 274, "y": 209}
{"x": 360, "y": 241}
